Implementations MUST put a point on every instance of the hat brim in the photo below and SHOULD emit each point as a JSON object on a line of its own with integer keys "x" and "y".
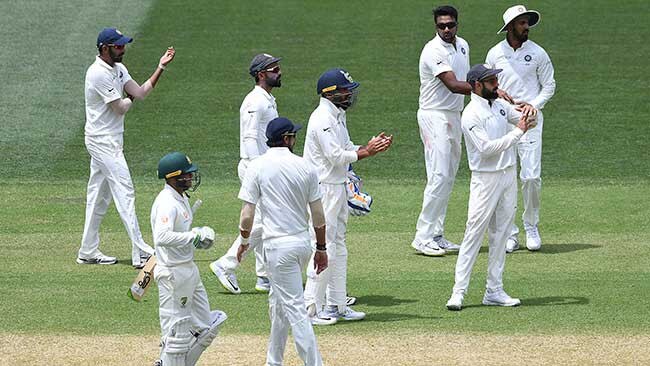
{"x": 264, "y": 65}
{"x": 533, "y": 19}
{"x": 491, "y": 72}
{"x": 122, "y": 41}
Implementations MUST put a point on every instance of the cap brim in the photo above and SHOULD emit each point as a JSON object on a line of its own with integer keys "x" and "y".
{"x": 122, "y": 41}
{"x": 296, "y": 127}
{"x": 532, "y": 21}
{"x": 491, "y": 72}
{"x": 270, "y": 62}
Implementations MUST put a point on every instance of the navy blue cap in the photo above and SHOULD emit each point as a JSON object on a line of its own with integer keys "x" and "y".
{"x": 334, "y": 79}
{"x": 112, "y": 36}
{"x": 479, "y": 72}
{"x": 280, "y": 126}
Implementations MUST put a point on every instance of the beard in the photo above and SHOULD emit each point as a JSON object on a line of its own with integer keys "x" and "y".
{"x": 274, "y": 82}
{"x": 489, "y": 94}
{"x": 114, "y": 56}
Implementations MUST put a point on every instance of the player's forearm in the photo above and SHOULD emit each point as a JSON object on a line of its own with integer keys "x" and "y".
{"x": 121, "y": 106}
{"x": 246, "y": 219}
{"x": 488, "y": 148}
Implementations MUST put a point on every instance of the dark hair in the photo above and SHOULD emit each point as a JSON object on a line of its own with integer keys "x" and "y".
{"x": 445, "y": 10}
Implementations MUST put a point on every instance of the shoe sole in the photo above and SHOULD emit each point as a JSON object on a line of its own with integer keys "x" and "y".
{"x": 534, "y": 249}
{"x": 94, "y": 261}
{"x": 262, "y": 289}
{"x": 224, "y": 281}
{"x": 492, "y": 303}
{"x": 454, "y": 307}
{"x": 331, "y": 321}
{"x": 434, "y": 254}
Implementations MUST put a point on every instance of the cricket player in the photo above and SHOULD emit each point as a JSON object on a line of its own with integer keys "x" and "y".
{"x": 328, "y": 148}
{"x": 109, "y": 94}
{"x": 490, "y": 151}
{"x": 257, "y": 109}
{"x": 528, "y": 76}
{"x": 188, "y": 326}
{"x": 282, "y": 187}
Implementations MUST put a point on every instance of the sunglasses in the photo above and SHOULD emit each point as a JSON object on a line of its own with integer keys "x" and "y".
{"x": 450, "y": 25}
{"x": 274, "y": 70}
{"x": 116, "y": 46}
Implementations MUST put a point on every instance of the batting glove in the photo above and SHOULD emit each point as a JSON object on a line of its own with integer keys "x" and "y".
{"x": 204, "y": 237}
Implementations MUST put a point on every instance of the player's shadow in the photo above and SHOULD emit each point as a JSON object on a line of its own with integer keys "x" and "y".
{"x": 395, "y": 317}
{"x": 544, "y": 301}
{"x": 382, "y": 300}
{"x": 565, "y": 248}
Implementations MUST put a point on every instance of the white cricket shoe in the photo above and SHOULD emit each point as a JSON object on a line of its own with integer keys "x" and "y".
{"x": 512, "y": 244}
{"x": 430, "y": 248}
{"x": 499, "y": 298}
{"x": 533, "y": 240}
{"x": 446, "y": 244}
{"x": 350, "y": 300}
{"x": 348, "y": 314}
{"x": 455, "y": 301}
{"x": 263, "y": 284}
{"x": 99, "y": 259}
{"x": 322, "y": 319}
{"x": 227, "y": 280}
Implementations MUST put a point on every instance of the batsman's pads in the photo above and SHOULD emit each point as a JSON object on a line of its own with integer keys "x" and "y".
{"x": 204, "y": 338}
{"x": 358, "y": 202}
{"x": 143, "y": 280}
{"x": 204, "y": 237}
{"x": 176, "y": 343}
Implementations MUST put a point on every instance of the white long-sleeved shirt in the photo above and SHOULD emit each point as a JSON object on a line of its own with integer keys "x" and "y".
{"x": 171, "y": 221}
{"x": 528, "y": 74}
{"x": 437, "y": 57}
{"x": 104, "y": 84}
{"x": 255, "y": 113}
{"x": 489, "y": 138}
{"x": 281, "y": 185}
{"x": 327, "y": 144}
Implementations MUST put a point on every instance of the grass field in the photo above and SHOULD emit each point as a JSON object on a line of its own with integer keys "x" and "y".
{"x": 585, "y": 295}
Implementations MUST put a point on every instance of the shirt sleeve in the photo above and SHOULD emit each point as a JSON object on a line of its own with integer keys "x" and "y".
{"x": 332, "y": 150}
{"x": 105, "y": 88}
{"x": 250, "y": 188}
{"x": 546, "y": 78}
{"x": 439, "y": 63}
{"x": 475, "y": 131}
{"x": 314, "y": 187}
{"x": 250, "y": 123}
{"x": 163, "y": 231}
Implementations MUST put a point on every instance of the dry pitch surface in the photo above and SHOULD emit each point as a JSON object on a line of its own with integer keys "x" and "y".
{"x": 435, "y": 349}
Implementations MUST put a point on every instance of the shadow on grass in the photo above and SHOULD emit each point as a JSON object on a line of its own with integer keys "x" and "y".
{"x": 546, "y": 249}
{"x": 394, "y": 317}
{"x": 382, "y": 300}
{"x": 544, "y": 301}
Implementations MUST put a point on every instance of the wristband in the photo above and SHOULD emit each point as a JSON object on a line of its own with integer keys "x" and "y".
{"x": 162, "y": 67}
{"x": 244, "y": 241}
{"x": 321, "y": 247}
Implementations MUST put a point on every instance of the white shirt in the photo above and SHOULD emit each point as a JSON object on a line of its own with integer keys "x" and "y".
{"x": 104, "y": 84}
{"x": 527, "y": 74}
{"x": 281, "y": 185}
{"x": 171, "y": 218}
{"x": 489, "y": 138}
{"x": 327, "y": 144}
{"x": 255, "y": 113}
{"x": 437, "y": 57}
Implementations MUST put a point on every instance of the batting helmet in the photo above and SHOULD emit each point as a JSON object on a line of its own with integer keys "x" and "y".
{"x": 175, "y": 164}
{"x": 335, "y": 79}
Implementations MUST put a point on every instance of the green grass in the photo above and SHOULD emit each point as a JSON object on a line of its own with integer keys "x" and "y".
{"x": 592, "y": 275}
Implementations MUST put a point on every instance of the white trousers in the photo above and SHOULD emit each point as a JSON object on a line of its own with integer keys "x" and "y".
{"x": 529, "y": 150}
{"x": 287, "y": 308}
{"x": 441, "y": 134}
{"x": 229, "y": 260}
{"x": 110, "y": 179}
{"x": 329, "y": 287}
{"x": 181, "y": 294}
{"x": 492, "y": 207}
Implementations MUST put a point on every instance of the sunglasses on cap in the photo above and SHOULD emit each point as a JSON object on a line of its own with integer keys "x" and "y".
{"x": 450, "y": 25}
{"x": 274, "y": 70}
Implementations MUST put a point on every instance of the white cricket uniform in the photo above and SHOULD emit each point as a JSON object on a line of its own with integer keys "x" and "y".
{"x": 282, "y": 185}
{"x": 329, "y": 150}
{"x": 527, "y": 76}
{"x": 181, "y": 292}
{"x": 490, "y": 141}
{"x": 109, "y": 174}
{"x": 255, "y": 113}
{"x": 439, "y": 123}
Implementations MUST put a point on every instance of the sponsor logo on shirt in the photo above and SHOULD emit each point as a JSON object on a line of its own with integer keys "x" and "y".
{"x": 183, "y": 301}
{"x": 472, "y": 127}
{"x": 326, "y": 129}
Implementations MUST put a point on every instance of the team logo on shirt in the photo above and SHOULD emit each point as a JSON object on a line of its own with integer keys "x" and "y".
{"x": 503, "y": 113}
{"x": 183, "y": 301}
{"x": 462, "y": 49}
{"x": 186, "y": 215}
{"x": 528, "y": 58}
{"x": 121, "y": 75}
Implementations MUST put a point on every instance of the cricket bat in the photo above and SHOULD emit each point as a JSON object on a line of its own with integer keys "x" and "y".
{"x": 144, "y": 278}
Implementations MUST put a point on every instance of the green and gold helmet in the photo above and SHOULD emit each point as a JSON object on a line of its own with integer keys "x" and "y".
{"x": 175, "y": 164}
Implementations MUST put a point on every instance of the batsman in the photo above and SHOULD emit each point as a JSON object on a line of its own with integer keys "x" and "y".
{"x": 188, "y": 326}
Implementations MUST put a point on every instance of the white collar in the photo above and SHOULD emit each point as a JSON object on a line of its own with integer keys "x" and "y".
{"x": 331, "y": 108}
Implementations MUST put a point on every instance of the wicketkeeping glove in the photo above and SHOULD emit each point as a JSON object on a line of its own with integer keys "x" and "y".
{"x": 358, "y": 202}
{"x": 204, "y": 237}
